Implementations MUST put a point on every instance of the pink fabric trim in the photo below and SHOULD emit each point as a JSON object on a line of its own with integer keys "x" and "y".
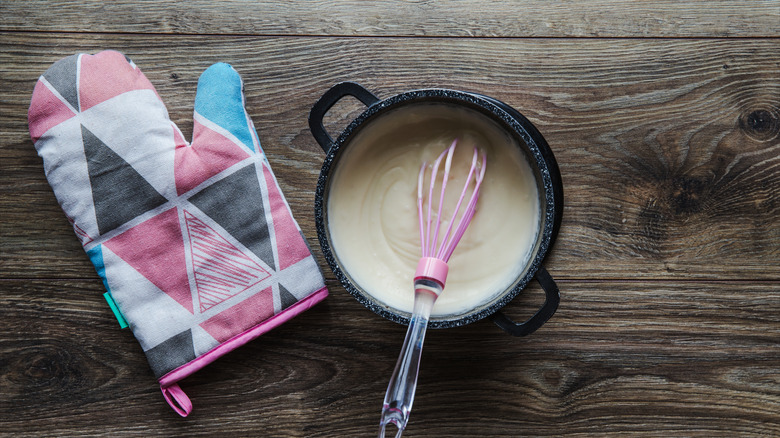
{"x": 242, "y": 338}
{"x": 177, "y": 399}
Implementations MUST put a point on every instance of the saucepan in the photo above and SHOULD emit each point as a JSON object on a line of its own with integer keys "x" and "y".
{"x": 522, "y": 133}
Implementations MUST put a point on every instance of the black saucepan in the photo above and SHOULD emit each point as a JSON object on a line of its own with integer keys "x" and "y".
{"x": 536, "y": 150}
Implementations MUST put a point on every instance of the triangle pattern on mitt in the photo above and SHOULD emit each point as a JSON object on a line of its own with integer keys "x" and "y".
{"x": 62, "y": 76}
{"x": 155, "y": 248}
{"x": 119, "y": 192}
{"x": 47, "y": 111}
{"x": 220, "y": 269}
{"x": 248, "y": 225}
{"x": 209, "y": 154}
{"x": 106, "y": 75}
{"x": 171, "y": 353}
{"x": 286, "y": 298}
{"x": 289, "y": 240}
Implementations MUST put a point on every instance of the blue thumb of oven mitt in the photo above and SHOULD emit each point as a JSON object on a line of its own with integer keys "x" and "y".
{"x": 195, "y": 243}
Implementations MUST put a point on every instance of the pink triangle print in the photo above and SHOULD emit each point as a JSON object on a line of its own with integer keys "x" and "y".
{"x": 242, "y": 316}
{"x": 106, "y": 75}
{"x": 47, "y": 112}
{"x": 155, "y": 248}
{"x": 221, "y": 270}
{"x": 209, "y": 154}
{"x": 83, "y": 236}
{"x": 292, "y": 247}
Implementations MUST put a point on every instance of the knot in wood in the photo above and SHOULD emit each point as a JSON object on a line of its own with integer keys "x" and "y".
{"x": 761, "y": 124}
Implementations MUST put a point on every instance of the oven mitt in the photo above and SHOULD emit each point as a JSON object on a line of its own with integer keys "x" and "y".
{"x": 194, "y": 242}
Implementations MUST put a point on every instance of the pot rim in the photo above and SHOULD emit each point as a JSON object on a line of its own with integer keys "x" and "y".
{"x": 515, "y": 126}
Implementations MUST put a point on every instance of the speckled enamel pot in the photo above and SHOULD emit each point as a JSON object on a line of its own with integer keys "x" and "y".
{"x": 536, "y": 150}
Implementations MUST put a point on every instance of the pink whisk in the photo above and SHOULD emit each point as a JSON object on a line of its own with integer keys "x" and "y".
{"x": 429, "y": 279}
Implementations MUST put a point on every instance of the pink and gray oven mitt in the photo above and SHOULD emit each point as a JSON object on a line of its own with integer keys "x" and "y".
{"x": 194, "y": 242}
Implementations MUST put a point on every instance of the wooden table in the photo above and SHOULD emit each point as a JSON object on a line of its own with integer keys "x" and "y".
{"x": 664, "y": 117}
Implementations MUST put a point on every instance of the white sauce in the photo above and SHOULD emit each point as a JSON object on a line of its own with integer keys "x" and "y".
{"x": 372, "y": 207}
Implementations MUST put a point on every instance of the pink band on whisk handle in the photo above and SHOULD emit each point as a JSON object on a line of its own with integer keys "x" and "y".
{"x": 431, "y": 268}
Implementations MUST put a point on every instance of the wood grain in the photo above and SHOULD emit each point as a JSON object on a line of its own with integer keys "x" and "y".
{"x": 687, "y": 132}
{"x": 665, "y": 120}
{"x": 458, "y": 18}
{"x": 656, "y": 359}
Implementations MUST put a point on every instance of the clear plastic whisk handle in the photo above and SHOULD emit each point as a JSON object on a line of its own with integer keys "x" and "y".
{"x": 403, "y": 383}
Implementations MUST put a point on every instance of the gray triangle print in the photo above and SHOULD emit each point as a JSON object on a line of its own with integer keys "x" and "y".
{"x": 62, "y": 76}
{"x": 119, "y": 192}
{"x": 286, "y": 297}
{"x": 171, "y": 353}
{"x": 247, "y": 224}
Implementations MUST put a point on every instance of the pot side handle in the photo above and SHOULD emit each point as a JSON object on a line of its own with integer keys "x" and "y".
{"x": 326, "y": 102}
{"x": 551, "y": 300}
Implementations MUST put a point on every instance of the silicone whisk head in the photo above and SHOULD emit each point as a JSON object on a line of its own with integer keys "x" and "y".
{"x": 435, "y": 243}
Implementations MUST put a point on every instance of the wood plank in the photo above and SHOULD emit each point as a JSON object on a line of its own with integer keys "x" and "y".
{"x": 650, "y": 358}
{"x": 504, "y": 18}
{"x": 668, "y": 148}
{"x": 665, "y": 119}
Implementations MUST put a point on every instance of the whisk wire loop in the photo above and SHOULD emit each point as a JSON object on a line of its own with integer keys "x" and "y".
{"x": 430, "y": 231}
{"x": 471, "y": 207}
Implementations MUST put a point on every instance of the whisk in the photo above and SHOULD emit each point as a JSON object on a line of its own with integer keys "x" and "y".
{"x": 429, "y": 279}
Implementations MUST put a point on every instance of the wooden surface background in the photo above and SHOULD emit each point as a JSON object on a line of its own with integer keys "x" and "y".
{"x": 664, "y": 117}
